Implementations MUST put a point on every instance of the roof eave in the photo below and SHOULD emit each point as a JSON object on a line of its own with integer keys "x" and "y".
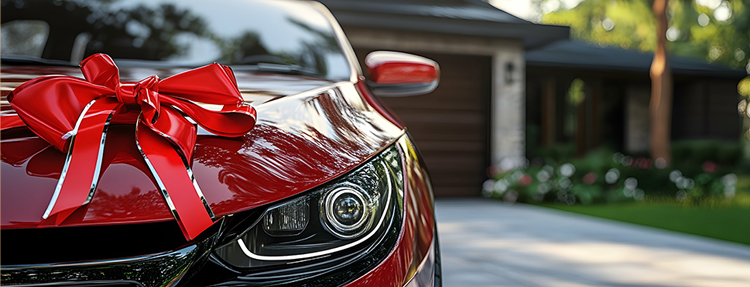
{"x": 532, "y": 35}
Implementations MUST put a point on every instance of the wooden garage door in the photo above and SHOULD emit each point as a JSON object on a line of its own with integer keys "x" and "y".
{"x": 450, "y": 125}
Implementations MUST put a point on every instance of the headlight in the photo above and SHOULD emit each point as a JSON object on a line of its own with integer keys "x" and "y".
{"x": 342, "y": 219}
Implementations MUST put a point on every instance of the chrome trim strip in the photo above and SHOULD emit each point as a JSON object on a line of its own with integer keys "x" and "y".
{"x": 247, "y": 252}
{"x": 68, "y": 158}
{"x": 189, "y": 172}
{"x": 161, "y": 186}
{"x": 98, "y": 169}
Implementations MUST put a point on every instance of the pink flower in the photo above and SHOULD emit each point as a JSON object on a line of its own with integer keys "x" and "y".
{"x": 589, "y": 178}
{"x": 525, "y": 180}
{"x": 646, "y": 163}
{"x": 642, "y": 163}
{"x": 709, "y": 166}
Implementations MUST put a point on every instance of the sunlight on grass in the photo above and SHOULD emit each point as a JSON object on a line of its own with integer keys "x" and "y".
{"x": 710, "y": 218}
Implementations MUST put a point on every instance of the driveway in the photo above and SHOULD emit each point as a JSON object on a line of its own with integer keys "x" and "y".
{"x": 490, "y": 243}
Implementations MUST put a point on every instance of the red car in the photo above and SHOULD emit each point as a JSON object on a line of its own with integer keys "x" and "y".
{"x": 129, "y": 159}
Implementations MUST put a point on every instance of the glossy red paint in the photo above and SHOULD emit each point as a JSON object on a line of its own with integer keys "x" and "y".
{"x": 400, "y": 68}
{"x": 379, "y": 106}
{"x": 417, "y": 232}
{"x": 74, "y": 114}
{"x": 299, "y": 142}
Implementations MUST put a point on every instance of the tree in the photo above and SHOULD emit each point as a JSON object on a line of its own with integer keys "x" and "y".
{"x": 661, "y": 90}
{"x": 713, "y": 30}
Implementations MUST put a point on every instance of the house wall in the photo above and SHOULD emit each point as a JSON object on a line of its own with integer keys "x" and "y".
{"x": 466, "y": 61}
{"x": 508, "y": 105}
{"x": 705, "y": 108}
{"x": 637, "y": 117}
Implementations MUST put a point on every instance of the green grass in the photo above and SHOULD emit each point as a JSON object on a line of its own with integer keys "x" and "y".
{"x": 731, "y": 223}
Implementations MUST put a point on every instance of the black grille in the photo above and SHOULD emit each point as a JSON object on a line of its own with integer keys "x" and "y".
{"x": 71, "y": 244}
{"x": 87, "y": 284}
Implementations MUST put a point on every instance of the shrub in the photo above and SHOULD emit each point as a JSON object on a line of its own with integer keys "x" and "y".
{"x": 604, "y": 177}
{"x": 696, "y": 152}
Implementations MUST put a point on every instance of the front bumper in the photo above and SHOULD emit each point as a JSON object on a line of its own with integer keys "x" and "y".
{"x": 168, "y": 269}
{"x": 413, "y": 260}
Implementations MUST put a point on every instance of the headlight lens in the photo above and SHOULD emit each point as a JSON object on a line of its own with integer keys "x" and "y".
{"x": 342, "y": 218}
{"x": 347, "y": 212}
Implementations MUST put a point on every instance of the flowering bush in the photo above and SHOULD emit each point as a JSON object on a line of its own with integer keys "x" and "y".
{"x": 604, "y": 177}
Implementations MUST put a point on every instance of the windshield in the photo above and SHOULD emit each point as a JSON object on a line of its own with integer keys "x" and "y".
{"x": 268, "y": 36}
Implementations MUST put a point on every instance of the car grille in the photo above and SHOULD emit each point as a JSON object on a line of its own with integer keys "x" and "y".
{"x": 158, "y": 269}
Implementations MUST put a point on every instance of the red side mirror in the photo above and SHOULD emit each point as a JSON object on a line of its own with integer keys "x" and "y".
{"x": 394, "y": 74}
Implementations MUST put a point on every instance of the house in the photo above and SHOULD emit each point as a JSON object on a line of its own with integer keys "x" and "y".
{"x": 504, "y": 85}
{"x": 617, "y": 91}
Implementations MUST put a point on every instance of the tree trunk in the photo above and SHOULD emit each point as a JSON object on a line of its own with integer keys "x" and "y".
{"x": 661, "y": 90}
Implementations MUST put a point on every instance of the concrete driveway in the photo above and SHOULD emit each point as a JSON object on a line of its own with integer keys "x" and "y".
{"x": 489, "y": 243}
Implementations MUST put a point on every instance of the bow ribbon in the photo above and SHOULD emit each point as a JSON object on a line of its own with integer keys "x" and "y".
{"x": 73, "y": 115}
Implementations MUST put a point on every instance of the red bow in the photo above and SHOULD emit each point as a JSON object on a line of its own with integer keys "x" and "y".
{"x": 73, "y": 115}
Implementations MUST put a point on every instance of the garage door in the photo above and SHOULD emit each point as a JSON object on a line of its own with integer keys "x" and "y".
{"x": 450, "y": 125}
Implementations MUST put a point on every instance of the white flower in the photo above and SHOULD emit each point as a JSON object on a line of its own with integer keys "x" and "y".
{"x": 488, "y": 185}
{"x": 501, "y": 186}
{"x": 617, "y": 157}
{"x": 549, "y": 169}
{"x": 563, "y": 183}
{"x": 628, "y": 192}
{"x": 543, "y": 175}
{"x": 729, "y": 179}
{"x": 638, "y": 194}
{"x": 567, "y": 169}
{"x": 685, "y": 183}
{"x": 631, "y": 183}
{"x": 675, "y": 175}
{"x": 612, "y": 175}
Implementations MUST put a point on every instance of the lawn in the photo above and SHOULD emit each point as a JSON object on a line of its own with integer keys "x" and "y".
{"x": 731, "y": 223}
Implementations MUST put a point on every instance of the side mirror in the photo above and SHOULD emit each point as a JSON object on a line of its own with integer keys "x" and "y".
{"x": 394, "y": 74}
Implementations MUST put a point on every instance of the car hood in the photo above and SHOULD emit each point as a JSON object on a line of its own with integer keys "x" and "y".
{"x": 309, "y": 131}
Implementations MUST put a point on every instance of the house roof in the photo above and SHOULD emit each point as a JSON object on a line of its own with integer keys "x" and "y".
{"x": 580, "y": 55}
{"x": 457, "y": 17}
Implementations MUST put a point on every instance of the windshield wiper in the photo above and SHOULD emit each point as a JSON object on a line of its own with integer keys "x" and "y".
{"x": 28, "y": 60}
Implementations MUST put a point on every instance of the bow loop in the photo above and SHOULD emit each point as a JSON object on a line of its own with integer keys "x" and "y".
{"x": 101, "y": 70}
{"x": 213, "y": 84}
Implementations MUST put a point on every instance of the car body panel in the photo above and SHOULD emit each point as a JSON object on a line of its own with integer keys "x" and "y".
{"x": 299, "y": 142}
{"x": 417, "y": 233}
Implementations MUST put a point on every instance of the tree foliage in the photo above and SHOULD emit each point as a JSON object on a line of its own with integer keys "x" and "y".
{"x": 714, "y": 30}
